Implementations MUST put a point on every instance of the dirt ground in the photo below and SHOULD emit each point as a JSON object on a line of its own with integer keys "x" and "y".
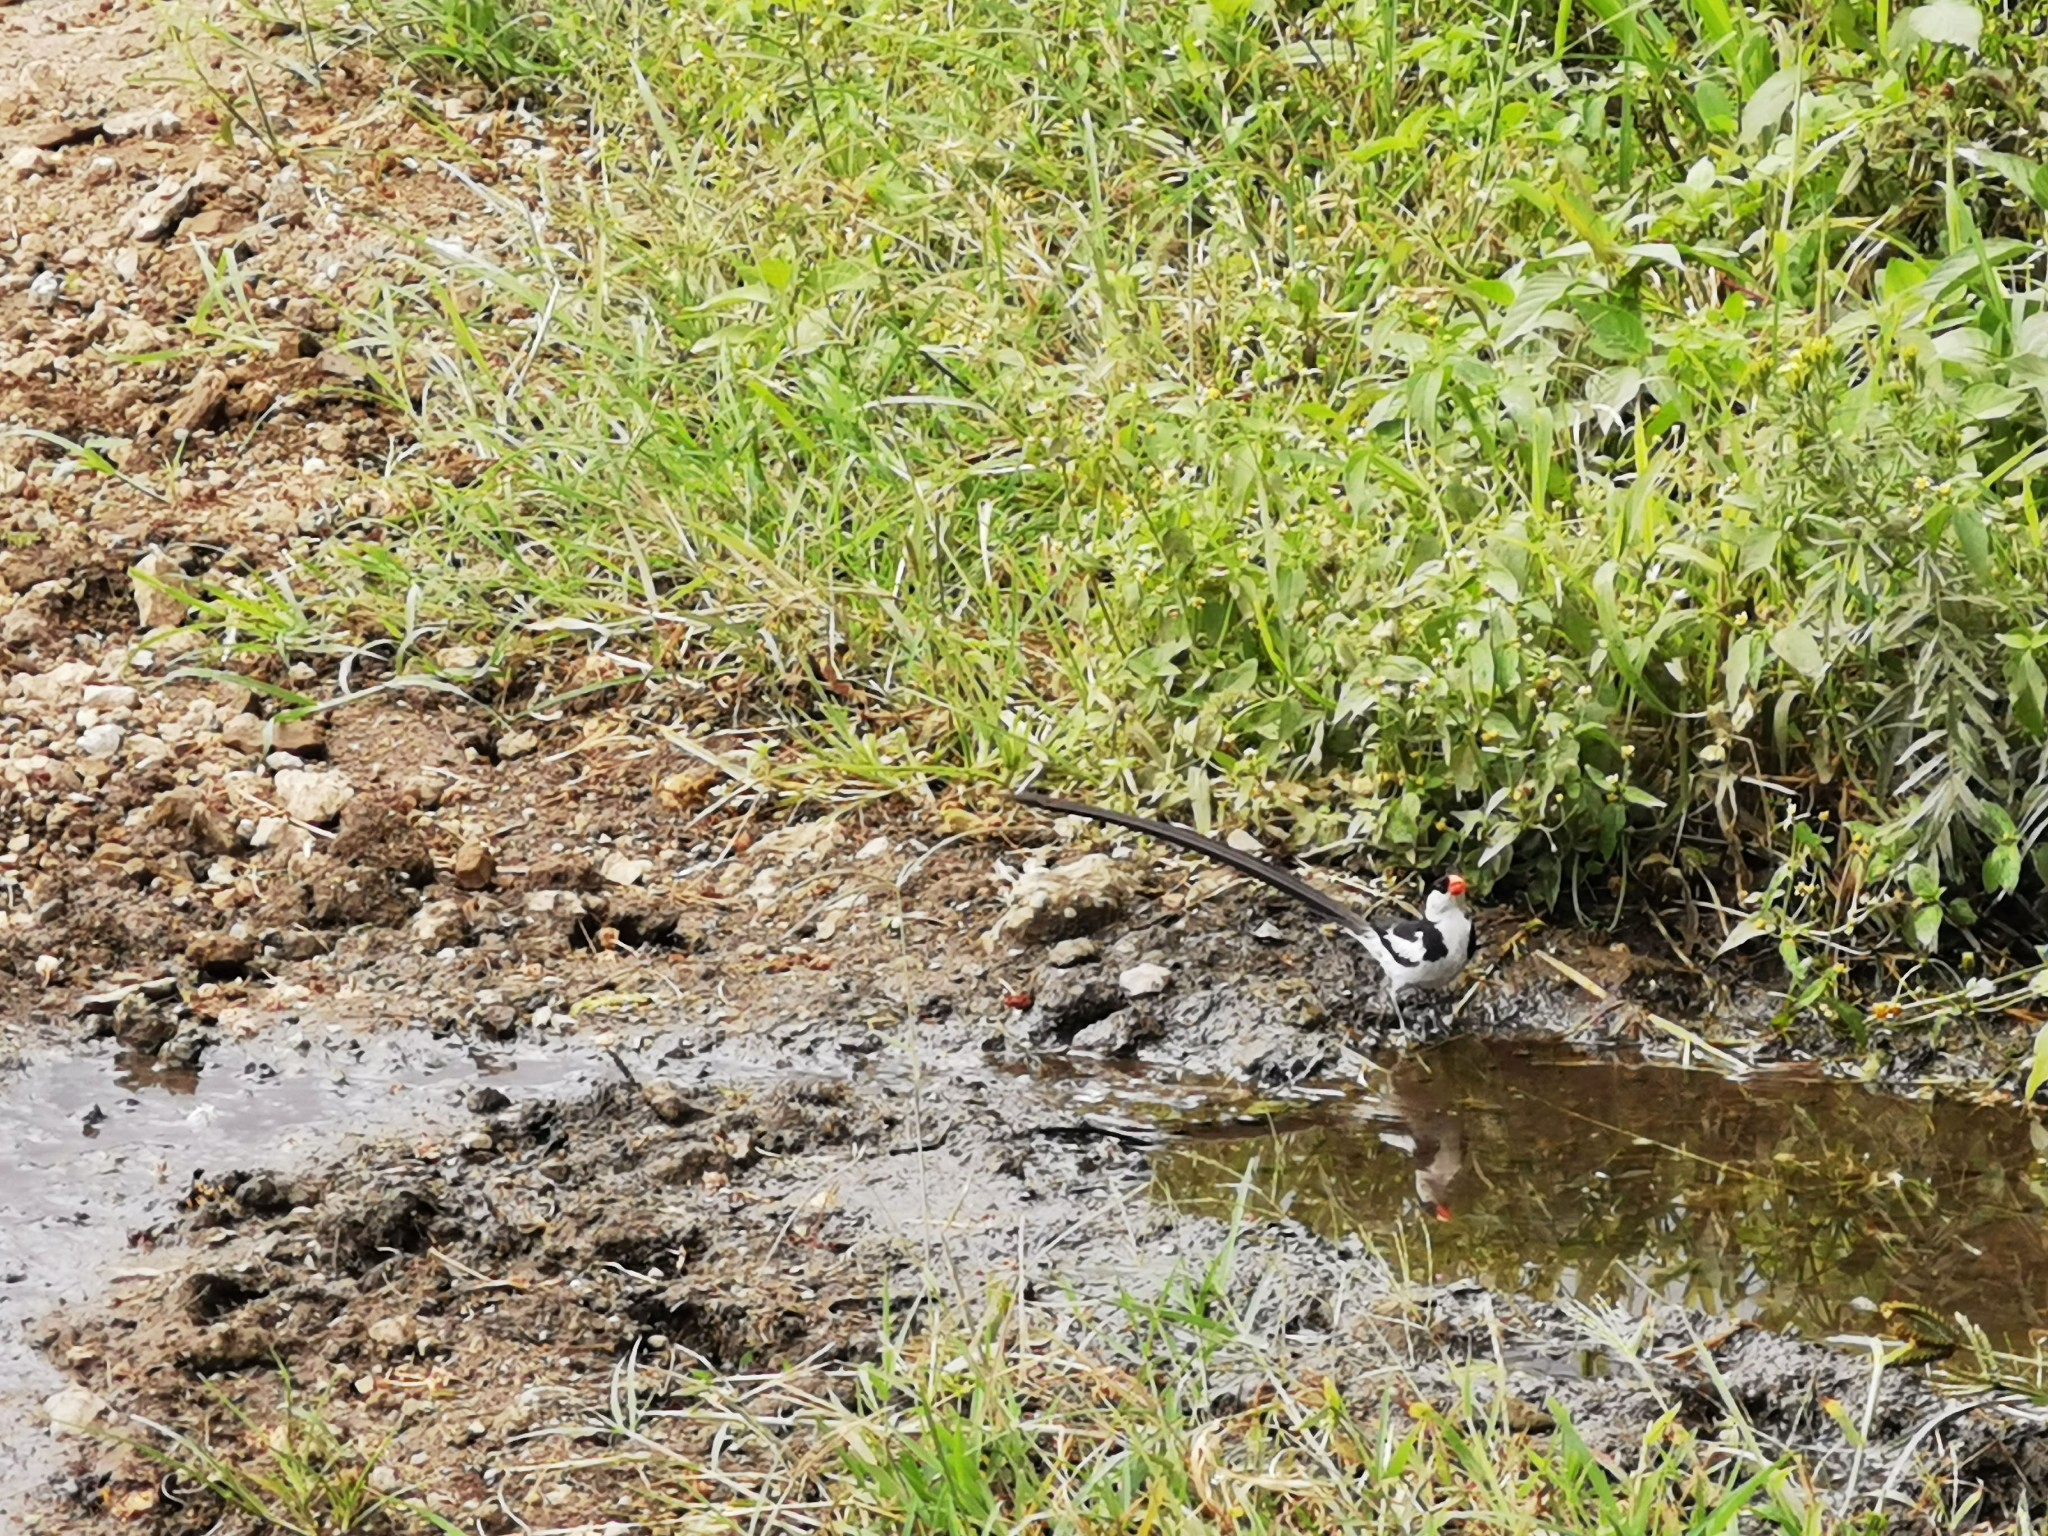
{"x": 837, "y": 1094}
{"x": 812, "y": 1134}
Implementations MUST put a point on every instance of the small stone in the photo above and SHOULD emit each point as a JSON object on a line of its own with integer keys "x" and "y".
{"x": 1072, "y": 952}
{"x": 101, "y": 741}
{"x": 278, "y": 762}
{"x": 517, "y": 744}
{"x": 211, "y": 224}
{"x": 109, "y": 696}
{"x": 302, "y": 738}
{"x": 100, "y": 170}
{"x": 244, "y": 732}
{"x": 394, "y": 1333}
{"x": 440, "y": 925}
{"x": 159, "y": 588}
{"x": 268, "y": 830}
{"x": 46, "y": 288}
{"x": 33, "y": 363}
{"x": 221, "y": 956}
{"x": 621, "y": 869}
{"x": 1144, "y": 980}
{"x": 311, "y": 796}
{"x": 459, "y": 658}
{"x": 475, "y": 867}
{"x": 284, "y": 199}
{"x": 486, "y": 1101}
{"x": 1270, "y": 932}
{"x": 74, "y": 1410}
{"x": 478, "y": 1141}
{"x": 185, "y": 1048}
{"x": 423, "y": 789}
{"x": 303, "y": 944}
{"x": 56, "y": 132}
{"x": 158, "y": 213}
{"x": 669, "y": 1103}
{"x": 143, "y": 123}
{"x": 27, "y": 160}
{"x": 1065, "y": 901}
{"x": 201, "y": 406}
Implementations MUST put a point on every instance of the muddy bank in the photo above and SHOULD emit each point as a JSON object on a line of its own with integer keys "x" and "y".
{"x": 97, "y": 1149}
{"x": 784, "y": 1169}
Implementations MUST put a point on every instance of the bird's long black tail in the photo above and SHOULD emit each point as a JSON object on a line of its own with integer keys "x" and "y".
{"x": 1222, "y": 853}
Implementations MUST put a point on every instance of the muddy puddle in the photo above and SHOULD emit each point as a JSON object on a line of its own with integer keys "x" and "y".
{"x": 1795, "y": 1202}
{"x": 96, "y": 1149}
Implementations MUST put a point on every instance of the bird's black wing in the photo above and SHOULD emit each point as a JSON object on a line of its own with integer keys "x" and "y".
{"x": 1414, "y": 942}
{"x": 1182, "y": 837}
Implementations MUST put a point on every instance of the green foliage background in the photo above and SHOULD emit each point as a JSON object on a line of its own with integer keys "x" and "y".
{"x": 1598, "y": 443}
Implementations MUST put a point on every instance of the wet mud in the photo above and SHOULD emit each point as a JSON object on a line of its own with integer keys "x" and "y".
{"x": 783, "y": 1164}
{"x": 98, "y": 1150}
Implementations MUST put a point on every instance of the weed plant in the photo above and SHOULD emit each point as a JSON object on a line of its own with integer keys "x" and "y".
{"x": 1600, "y": 444}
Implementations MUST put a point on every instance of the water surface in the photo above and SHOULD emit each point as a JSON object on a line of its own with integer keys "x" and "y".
{"x": 1794, "y": 1201}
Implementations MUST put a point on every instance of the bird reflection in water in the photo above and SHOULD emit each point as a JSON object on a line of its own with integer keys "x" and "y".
{"x": 1431, "y": 1136}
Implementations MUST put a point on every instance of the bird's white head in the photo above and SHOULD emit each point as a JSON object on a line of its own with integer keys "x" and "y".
{"x": 1446, "y": 895}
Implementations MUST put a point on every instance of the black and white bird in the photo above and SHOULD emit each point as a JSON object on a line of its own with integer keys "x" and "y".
{"x": 1426, "y": 953}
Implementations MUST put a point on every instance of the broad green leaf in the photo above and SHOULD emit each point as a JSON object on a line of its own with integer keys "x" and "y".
{"x": 1975, "y": 541}
{"x": 2038, "y": 1073}
{"x": 1616, "y": 332}
{"x": 1952, "y": 23}
{"x": 1923, "y": 882}
{"x": 1797, "y": 648}
{"x": 1768, "y": 105}
{"x": 1749, "y": 928}
{"x": 1901, "y": 277}
{"x": 1986, "y": 401}
{"x": 2002, "y": 869}
{"x": 1716, "y": 105}
{"x": 1927, "y": 928}
{"x": 2029, "y": 692}
{"x": 1998, "y": 823}
{"x": 2030, "y": 177}
{"x": 1235, "y": 680}
{"x": 1736, "y": 673}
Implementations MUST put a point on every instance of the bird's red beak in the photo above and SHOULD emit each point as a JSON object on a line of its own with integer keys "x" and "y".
{"x": 1456, "y": 885}
{"x": 1441, "y": 1211}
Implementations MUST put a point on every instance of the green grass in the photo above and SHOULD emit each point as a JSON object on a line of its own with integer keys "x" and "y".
{"x": 1185, "y": 1413}
{"x": 294, "y": 1474}
{"x": 1600, "y": 444}
{"x": 1199, "y": 1409}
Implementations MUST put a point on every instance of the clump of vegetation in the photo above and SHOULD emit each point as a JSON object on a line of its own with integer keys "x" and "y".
{"x": 1599, "y": 444}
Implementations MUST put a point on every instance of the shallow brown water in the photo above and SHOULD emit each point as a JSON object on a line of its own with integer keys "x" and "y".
{"x": 1793, "y": 1201}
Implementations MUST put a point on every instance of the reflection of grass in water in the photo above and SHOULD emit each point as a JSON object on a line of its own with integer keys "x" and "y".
{"x": 1785, "y": 1204}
